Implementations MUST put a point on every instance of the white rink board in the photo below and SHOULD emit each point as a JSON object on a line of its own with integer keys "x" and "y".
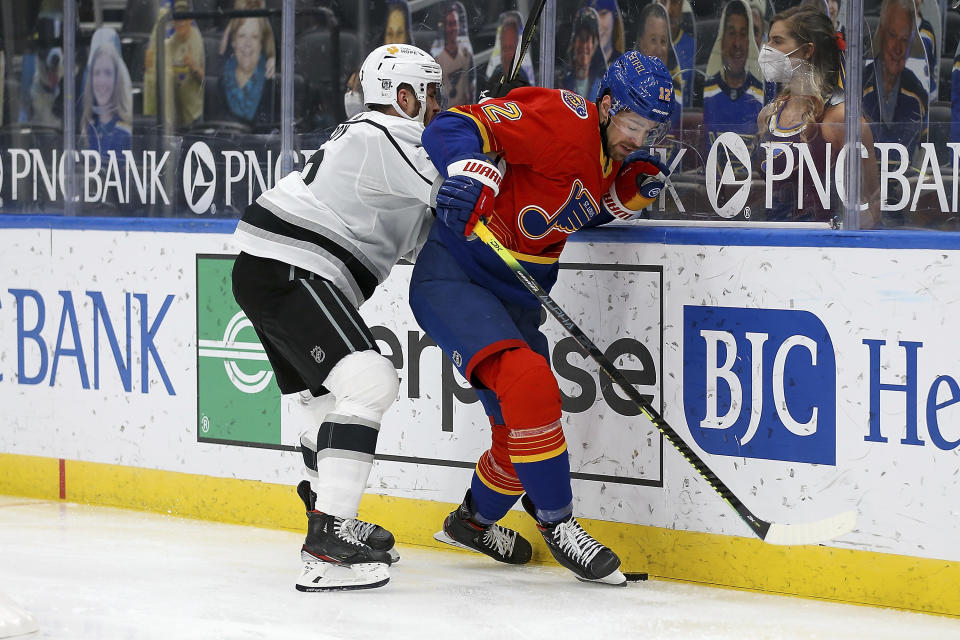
{"x": 902, "y": 491}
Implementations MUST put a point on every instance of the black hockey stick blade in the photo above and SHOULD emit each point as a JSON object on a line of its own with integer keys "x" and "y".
{"x": 774, "y": 533}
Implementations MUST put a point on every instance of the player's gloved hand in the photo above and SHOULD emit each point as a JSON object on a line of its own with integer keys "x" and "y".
{"x": 468, "y": 193}
{"x": 461, "y": 201}
{"x": 640, "y": 181}
{"x": 501, "y": 90}
{"x": 645, "y": 162}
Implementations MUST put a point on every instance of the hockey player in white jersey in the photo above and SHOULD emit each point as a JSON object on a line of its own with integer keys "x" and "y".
{"x": 314, "y": 247}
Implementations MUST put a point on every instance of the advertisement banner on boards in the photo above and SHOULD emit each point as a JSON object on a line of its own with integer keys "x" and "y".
{"x": 812, "y": 380}
{"x": 732, "y": 177}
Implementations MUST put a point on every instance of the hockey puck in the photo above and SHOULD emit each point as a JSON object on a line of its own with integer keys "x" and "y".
{"x": 635, "y": 577}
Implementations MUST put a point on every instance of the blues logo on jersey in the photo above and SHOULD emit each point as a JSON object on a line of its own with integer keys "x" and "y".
{"x": 534, "y": 222}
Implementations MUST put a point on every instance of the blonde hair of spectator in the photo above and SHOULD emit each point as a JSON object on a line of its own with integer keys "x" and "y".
{"x": 391, "y": 29}
{"x": 819, "y": 76}
{"x": 121, "y": 100}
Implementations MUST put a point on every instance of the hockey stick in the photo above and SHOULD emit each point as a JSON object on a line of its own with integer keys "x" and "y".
{"x": 774, "y": 533}
{"x": 530, "y": 27}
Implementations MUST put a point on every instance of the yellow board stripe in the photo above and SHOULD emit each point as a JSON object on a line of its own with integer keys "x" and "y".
{"x": 30, "y": 476}
{"x": 843, "y": 575}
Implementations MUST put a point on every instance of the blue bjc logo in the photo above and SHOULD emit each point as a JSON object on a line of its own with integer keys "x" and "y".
{"x": 760, "y": 383}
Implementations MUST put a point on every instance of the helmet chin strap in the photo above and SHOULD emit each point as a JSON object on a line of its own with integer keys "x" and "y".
{"x": 416, "y": 118}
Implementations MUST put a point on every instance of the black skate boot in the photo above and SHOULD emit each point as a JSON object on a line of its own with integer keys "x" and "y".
{"x": 576, "y": 550}
{"x": 334, "y": 559}
{"x": 372, "y": 535}
{"x": 500, "y": 543}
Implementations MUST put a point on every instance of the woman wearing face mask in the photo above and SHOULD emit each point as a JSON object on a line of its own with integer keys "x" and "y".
{"x": 803, "y": 56}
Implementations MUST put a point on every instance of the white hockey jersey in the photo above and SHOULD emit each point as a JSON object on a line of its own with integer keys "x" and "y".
{"x": 350, "y": 217}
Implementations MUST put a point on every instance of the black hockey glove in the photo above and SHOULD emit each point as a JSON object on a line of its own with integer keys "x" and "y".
{"x": 501, "y": 90}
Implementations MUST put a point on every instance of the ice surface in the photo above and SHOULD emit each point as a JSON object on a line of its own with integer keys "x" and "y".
{"x": 109, "y": 574}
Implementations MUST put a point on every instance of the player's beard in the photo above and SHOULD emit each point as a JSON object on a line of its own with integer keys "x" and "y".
{"x": 603, "y": 140}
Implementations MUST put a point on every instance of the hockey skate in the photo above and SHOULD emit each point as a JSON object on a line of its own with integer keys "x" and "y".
{"x": 500, "y": 543}
{"x": 335, "y": 559}
{"x": 370, "y": 534}
{"x": 576, "y": 550}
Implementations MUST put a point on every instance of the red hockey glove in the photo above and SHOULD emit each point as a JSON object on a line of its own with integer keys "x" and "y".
{"x": 640, "y": 181}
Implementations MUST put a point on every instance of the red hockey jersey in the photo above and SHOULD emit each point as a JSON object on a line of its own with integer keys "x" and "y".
{"x": 556, "y": 170}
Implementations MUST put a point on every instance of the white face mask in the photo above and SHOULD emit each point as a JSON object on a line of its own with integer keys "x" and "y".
{"x": 775, "y": 65}
{"x": 352, "y": 103}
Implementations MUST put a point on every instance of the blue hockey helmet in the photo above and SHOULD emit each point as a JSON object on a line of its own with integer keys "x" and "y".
{"x": 641, "y": 84}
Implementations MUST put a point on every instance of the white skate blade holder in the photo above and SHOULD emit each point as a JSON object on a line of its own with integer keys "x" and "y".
{"x": 328, "y": 576}
{"x": 14, "y": 621}
{"x": 614, "y": 578}
{"x": 441, "y": 536}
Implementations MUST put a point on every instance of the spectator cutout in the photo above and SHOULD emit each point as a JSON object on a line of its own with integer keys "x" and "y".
{"x": 758, "y": 15}
{"x": 249, "y": 95}
{"x": 585, "y": 66}
{"x": 454, "y": 54}
{"x": 106, "y": 118}
{"x": 41, "y": 98}
{"x": 184, "y": 68}
{"x": 269, "y": 43}
{"x": 895, "y": 99}
{"x": 928, "y": 38}
{"x": 612, "y": 41}
{"x": 396, "y": 30}
{"x": 653, "y": 39}
{"x": 683, "y": 35}
{"x": 506, "y": 46}
{"x": 733, "y": 91}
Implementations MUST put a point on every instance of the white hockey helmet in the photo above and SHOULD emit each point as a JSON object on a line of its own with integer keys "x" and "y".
{"x": 391, "y": 65}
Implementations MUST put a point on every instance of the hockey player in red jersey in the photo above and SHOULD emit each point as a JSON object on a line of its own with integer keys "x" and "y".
{"x": 536, "y": 165}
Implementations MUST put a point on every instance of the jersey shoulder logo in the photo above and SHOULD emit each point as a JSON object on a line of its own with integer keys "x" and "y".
{"x": 575, "y": 102}
{"x": 535, "y": 222}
